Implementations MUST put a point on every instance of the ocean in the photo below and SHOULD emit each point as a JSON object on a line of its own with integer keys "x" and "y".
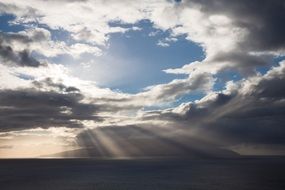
{"x": 250, "y": 173}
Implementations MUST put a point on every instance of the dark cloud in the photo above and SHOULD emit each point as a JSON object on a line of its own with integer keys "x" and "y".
{"x": 22, "y": 58}
{"x": 263, "y": 19}
{"x": 271, "y": 88}
{"x": 247, "y": 120}
{"x": 252, "y": 113}
{"x": 244, "y": 62}
{"x": 48, "y": 82}
{"x": 28, "y": 108}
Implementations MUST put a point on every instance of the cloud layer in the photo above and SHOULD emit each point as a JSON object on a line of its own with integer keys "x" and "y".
{"x": 243, "y": 37}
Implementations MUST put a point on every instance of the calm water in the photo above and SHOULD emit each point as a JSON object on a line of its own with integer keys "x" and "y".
{"x": 88, "y": 174}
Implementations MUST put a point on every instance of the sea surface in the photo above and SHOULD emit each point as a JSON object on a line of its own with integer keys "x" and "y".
{"x": 143, "y": 174}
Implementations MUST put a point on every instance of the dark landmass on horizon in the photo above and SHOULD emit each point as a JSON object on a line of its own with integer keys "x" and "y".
{"x": 151, "y": 151}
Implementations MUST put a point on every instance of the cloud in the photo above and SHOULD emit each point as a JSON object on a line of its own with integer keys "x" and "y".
{"x": 90, "y": 26}
{"x": 60, "y": 106}
{"x": 39, "y": 40}
{"x": 176, "y": 88}
{"x": 262, "y": 20}
{"x": 157, "y": 95}
{"x": 238, "y": 35}
{"x": 230, "y": 41}
{"x": 165, "y": 42}
{"x": 250, "y": 111}
{"x": 21, "y": 58}
{"x": 233, "y": 36}
{"x": 14, "y": 47}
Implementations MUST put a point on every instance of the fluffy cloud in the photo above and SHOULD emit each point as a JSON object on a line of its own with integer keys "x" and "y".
{"x": 229, "y": 40}
{"x": 238, "y": 35}
{"x": 39, "y": 40}
{"x": 90, "y": 25}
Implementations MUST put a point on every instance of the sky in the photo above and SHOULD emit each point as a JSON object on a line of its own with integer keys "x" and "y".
{"x": 117, "y": 77}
